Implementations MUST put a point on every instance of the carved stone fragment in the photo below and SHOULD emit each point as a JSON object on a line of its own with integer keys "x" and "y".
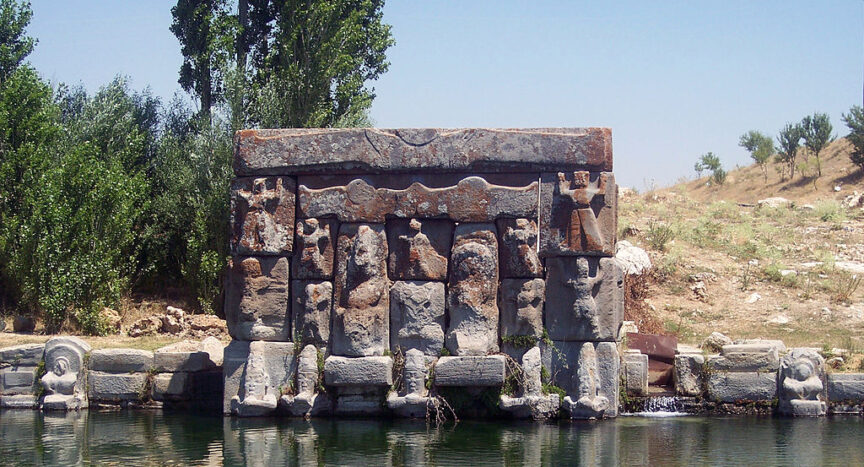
{"x": 314, "y": 256}
{"x": 802, "y": 383}
{"x": 519, "y": 257}
{"x": 589, "y": 374}
{"x": 584, "y": 298}
{"x": 268, "y": 367}
{"x": 411, "y": 400}
{"x": 412, "y": 149}
{"x": 257, "y": 299}
{"x": 578, "y": 214}
{"x": 532, "y": 403}
{"x": 361, "y": 311}
{"x": 472, "y": 199}
{"x": 522, "y": 307}
{"x": 472, "y": 291}
{"x": 262, "y": 221}
{"x": 417, "y": 316}
{"x": 65, "y": 374}
{"x": 313, "y": 304}
{"x": 307, "y": 402}
{"x": 419, "y": 249}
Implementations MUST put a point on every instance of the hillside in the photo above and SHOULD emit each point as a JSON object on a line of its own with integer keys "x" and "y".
{"x": 723, "y": 263}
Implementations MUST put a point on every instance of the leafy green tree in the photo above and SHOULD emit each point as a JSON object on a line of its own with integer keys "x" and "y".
{"x": 14, "y": 45}
{"x": 817, "y": 134}
{"x": 760, "y": 146}
{"x": 855, "y": 121}
{"x": 709, "y": 161}
{"x": 789, "y": 140}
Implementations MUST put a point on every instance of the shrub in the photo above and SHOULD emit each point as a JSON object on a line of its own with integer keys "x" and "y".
{"x": 659, "y": 234}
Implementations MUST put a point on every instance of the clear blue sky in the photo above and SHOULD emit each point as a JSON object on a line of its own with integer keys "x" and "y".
{"x": 673, "y": 79}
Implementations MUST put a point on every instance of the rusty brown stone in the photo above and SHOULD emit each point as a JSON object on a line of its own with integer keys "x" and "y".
{"x": 472, "y": 199}
{"x": 262, "y": 216}
{"x": 473, "y": 291}
{"x": 314, "y": 256}
{"x": 361, "y": 325}
{"x": 519, "y": 257}
{"x": 419, "y": 248}
{"x": 257, "y": 299}
{"x": 358, "y": 150}
{"x": 578, "y": 214}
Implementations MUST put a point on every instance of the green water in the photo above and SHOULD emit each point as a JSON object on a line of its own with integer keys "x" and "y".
{"x": 156, "y": 438}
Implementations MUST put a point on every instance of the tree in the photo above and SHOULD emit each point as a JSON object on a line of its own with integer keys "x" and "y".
{"x": 817, "y": 134}
{"x": 14, "y": 45}
{"x": 789, "y": 140}
{"x": 760, "y": 146}
{"x": 855, "y": 121}
{"x": 711, "y": 162}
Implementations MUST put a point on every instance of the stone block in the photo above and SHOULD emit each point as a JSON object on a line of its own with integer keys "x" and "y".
{"x": 578, "y": 214}
{"x": 470, "y": 371}
{"x": 171, "y": 362}
{"x": 345, "y": 150}
{"x": 687, "y": 375}
{"x": 473, "y": 290}
{"x": 116, "y": 387}
{"x": 417, "y": 316}
{"x": 419, "y": 248}
{"x": 358, "y": 371}
{"x": 17, "y": 380}
{"x": 360, "y": 405}
{"x": 257, "y": 299}
{"x": 233, "y": 367}
{"x": 361, "y": 299}
{"x": 471, "y": 199}
{"x": 846, "y": 387}
{"x": 725, "y": 386}
{"x": 65, "y": 370}
{"x": 584, "y": 298}
{"x": 801, "y": 383}
{"x": 522, "y": 307}
{"x": 25, "y": 355}
{"x": 314, "y": 256}
{"x": 170, "y": 386}
{"x": 121, "y": 361}
{"x": 589, "y": 374}
{"x": 636, "y": 373}
{"x": 19, "y": 401}
{"x": 313, "y": 304}
{"x": 262, "y": 216}
{"x": 269, "y": 367}
{"x": 746, "y": 357}
{"x": 518, "y": 244}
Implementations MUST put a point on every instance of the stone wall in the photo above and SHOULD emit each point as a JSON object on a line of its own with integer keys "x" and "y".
{"x": 374, "y": 270}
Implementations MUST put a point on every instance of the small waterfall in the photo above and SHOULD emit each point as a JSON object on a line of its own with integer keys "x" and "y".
{"x": 658, "y": 407}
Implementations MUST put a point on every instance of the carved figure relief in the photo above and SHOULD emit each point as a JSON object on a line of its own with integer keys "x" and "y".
{"x": 263, "y": 215}
{"x": 64, "y": 377}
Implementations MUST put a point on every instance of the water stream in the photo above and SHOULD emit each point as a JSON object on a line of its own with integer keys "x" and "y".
{"x": 660, "y": 407}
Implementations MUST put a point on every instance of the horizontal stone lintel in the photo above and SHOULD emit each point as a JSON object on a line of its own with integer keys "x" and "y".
{"x": 470, "y": 371}
{"x": 372, "y": 150}
{"x": 358, "y": 371}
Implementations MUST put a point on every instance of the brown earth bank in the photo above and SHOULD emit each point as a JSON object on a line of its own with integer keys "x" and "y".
{"x": 788, "y": 269}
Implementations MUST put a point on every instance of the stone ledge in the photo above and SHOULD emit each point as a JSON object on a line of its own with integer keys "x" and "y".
{"x": 470, "y": 371}
{"x": 746, "y": 357}
{"x": 114, "y": 387}
{"x": 25, "y": 354}
{"x": 121, "y": 360}
{"x": 171, "y": 362}
{"x": 359, "y": 150}
{"x": 358, "y": 371}
{"x": 846, "y": 387}
{"x": 742, "y": 386}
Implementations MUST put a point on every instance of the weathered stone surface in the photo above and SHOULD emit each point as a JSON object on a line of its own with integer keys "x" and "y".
{"x": 268, "y": 368}
{"x": 65, "y": 374}
{"x": 121, "y": 360}
{"x": 262, "y": 220}
{"x": 584, "y": 298}
{"x": 17, "y": 380}
{"x": 522, "y": 307}
{"x": 114, "y": 387}
{"x": 313, "y": 304}
{"x": 636, "y": 373}
{"x": 470, "y": 371}
{"x": 314, "y": 255}
{"x": 687, "y": 376}
{"x": 519, "y": 256}
{"x": 846, "y": 387}
{"x": 169, "y": 362}
{"x": 472, "y": 291}
{"x": 353, "y": 150}
{"x": 306, "y": 402}
{"x": 802, "y": 384}
{"x": 746, "y": 357}
{"x": 257, "y": 299}
{"x": 411, "y": 401}
{"x": 170, "y": 386}
{"x": 715, "y": 342}
{"x": 532, "y": 403}
{"x": 589, "y": 374}
{"x": 19, "y": 401}
{"x": 419, "y": 249}
{"x": 24, "y": 355}
{"x": 661, "y": 348}
{"x": 726, "y": 386}
{"x": 634, "y": 260}
{"x": 233, "y": 367}
{"x": 366, "y": 404}
{"x": 361, "y": 311}
{"x": 358, "y": 371}
{"x": 472, "y": 199}
{"x": 578, "y": 214}
{"x": 417, "y": 316}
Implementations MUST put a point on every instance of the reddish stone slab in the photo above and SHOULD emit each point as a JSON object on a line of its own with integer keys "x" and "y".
{"x": 656, "y": 347}
{"x": 262, "y": 215}
{"x": 372, "y": 150}
{"x": 578, "y": 214}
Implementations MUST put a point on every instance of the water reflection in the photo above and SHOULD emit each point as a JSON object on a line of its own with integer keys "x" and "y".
{"x": 136, "y": 438}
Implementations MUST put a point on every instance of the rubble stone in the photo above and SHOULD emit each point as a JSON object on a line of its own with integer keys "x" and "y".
{"x": 313, "y": 304}
{"x": 419, "y": 249}
{"x": 584, "y": 298}
{"x": 314, "y": 255}
{"x": 417, "y": 316}
{"x": 519, "y": 257}
{"x": 262, "y": 221}
{"x": 257, "y": 299}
